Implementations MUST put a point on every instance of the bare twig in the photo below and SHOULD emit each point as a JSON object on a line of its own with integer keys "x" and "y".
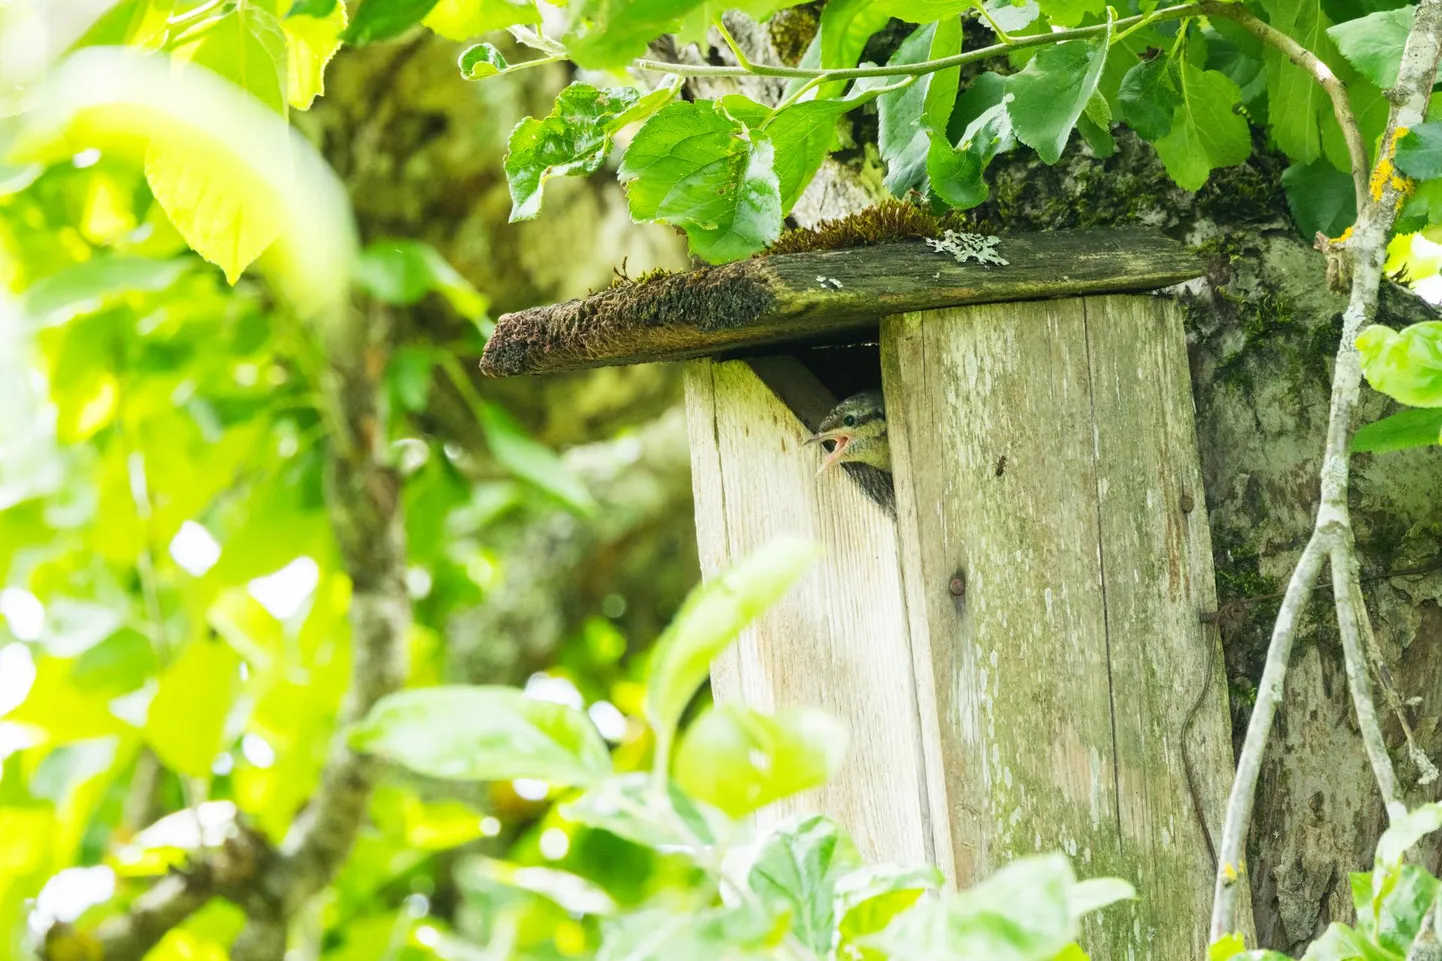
{"x": 1230, "y": 867}
{"x": 1332, "y": 533}
{"x": 1350, "y": 615}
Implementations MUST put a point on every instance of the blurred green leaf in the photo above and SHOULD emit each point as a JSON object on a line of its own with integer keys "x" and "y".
{"x": 633, "y": 807}
{"x": 868, "y": 898}
{"x": 1093, "y": 894}
{"x": 311, "y": 42}
{"x": 532, "y": 461}
{"x": 709, "y": 620}
{"x": 461, "y": 20}
{"x": 739, "y": 760}
{"x": 384, "y": 19}
{"x": 483, "y": 734}
{"x": 404, "y": 271}
{"x": 1374, "y": 43}
{"x": 796, "y": 872}
{"x": 312, "y": 8}
{"x": 575, "y": 894}
{"x": 186, "y": 723}
{"x": 61, "y": 709}
{"x": 740, "y": 933}
{"x": 1020, "y": 913}
{"x": 1405, "y": 831}
{"x": 92, "y": 283}
{"x": 611, "y": 33}
{"x": 1410, "y": 428}
{"x": 248, "y": 47}
{"x": 1405, "y": 365}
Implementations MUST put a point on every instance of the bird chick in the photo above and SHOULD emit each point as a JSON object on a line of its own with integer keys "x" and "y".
{"x": 857, "y": 427}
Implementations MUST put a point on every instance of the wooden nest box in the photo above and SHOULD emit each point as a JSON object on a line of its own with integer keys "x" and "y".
{"x": 1017, "y": 640}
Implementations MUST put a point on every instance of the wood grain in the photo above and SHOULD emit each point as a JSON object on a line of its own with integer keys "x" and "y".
{"x": 1063, "y": 678}
{"x": 839, "y": 639}
{"x": 830, "y": 296}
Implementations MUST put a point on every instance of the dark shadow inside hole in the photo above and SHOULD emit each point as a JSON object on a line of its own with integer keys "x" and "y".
{"x": 810, "y": 381}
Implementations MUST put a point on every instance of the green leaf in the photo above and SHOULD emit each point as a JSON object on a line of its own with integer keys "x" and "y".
{"x": 1298, "y": 108}
{"x": 1409, "y": 828}
{"x": 1419, "y": 153}
{"x": 1205, "y": 133}
{"x": 186, "y": 723}
{"x": 1410, "y": 428}
{"x": 802, "y": 135}
{"x": 573, "y": 140}
{"x": 1400, "y": 903}
{"x": 248, "y": 48}
{"x": 1093, "y": 894}
{"x": 1011, "y": 16}
{"x": 312, "y": 8}
{"x": 1405, "y": 365}
{"x": 867, "y": 900}
{"x": 93, "y": 283}
{"x": 482, "y": 61}
{"x": 571, "y": 892}
{"x": 408, "y": 378}
{"x": 404, "y": 271}
{"x": 607, "y": 34}
{"x": 532, "y": 461}
{"x": 1373, "y": 44}
{"x": 695, "y": 166}
{"x": 224, "y": 212}
{"x": 460, "y": 20}
{"x": 956, "y": 174}
{"x": 741, "y": 933}
{"x": 1226, "y": 947}
{"x": 631, "y": 806}
{"x": 709, "y": 620}
{"x": 1021, "y": 913}
{"x": 486, "y": 733}
{"x": 739, "y": 760}
{"x": 311, "y": 42}
{"x": 1149, "y": 98}
{"x": 901, "y": 138}
{"x": 1051, "y": 93}
{"x": 796, "y": 872}
{"x": 384, "y": 19}
{"x": 921, "y": 11}
{"x": 1070, "y": 13}
{"x": 846, "y": 26}
{"x": 1321, "y": 197}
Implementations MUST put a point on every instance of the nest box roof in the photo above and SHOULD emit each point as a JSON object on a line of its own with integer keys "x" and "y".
{"x": 819, "y": 297}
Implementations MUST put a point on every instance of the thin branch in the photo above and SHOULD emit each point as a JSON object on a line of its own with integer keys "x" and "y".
{"x": 1231, "y": 874}
{"x": 1331, "y": 532}
{"x": 1350, "y": 614}
{"x": 1319, "y": 71}
{"x": 926, "y": 66}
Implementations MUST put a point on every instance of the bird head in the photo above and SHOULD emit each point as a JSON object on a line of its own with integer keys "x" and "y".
{"x": 857, "y": 429}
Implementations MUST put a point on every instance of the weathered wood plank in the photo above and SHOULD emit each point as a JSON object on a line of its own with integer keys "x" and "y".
{"x": 821, "y": 296}
{"x": 1156, "y": 560}
{"x": 1040, "y": 452}
{"x": 839, "y": 639}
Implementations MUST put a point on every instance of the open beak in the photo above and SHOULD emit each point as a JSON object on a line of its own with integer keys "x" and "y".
{"x": 842, "y": 439}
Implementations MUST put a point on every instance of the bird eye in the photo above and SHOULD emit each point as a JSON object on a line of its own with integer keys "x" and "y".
{"x": 849, "y": 420}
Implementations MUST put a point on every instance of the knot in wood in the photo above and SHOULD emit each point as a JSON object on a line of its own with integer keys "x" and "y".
{"x": 957, "y": 585}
